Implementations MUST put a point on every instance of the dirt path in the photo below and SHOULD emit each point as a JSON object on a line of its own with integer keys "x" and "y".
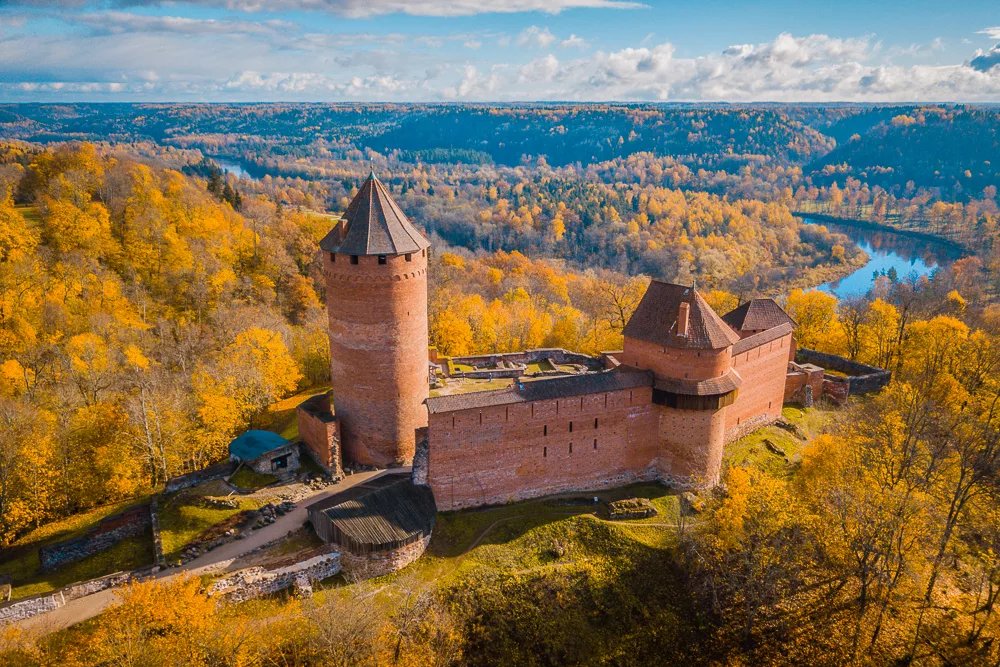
{"x": 217, "y": 560}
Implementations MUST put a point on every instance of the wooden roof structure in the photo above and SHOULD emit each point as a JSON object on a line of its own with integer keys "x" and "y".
{"x": 381, "y": 514}
{"x": 374, "y": 225}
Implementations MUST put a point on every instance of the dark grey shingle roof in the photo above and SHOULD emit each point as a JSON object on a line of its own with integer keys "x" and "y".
{"x": 757, "y": 314}
{"x": 384, "y": 513}
{"x": 655, "y": 320}
{"x": 541, "y": 390}
{"x": 375, "y": 226}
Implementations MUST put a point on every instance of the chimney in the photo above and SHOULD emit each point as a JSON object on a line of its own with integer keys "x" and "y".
{"x": 683, "y": 314}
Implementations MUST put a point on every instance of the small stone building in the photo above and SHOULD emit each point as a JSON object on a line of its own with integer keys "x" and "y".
{"x": 265, "y": 452}
{"x": 379, "y": 526}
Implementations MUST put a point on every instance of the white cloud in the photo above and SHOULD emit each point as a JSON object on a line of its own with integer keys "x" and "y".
{"x": 984, "y": 61}
{"x": 535, "y": 36}
{"x": 472, "y": 44}
{"x": 177, "y": 61}
{"x": 573, "y": 41}
{"x": 124, "y": 22}
{"x": 992, "y": 33}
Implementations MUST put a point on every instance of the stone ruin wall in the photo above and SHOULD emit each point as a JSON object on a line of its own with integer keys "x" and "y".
{"x": 18, "y": 610}
{"x": 109, "y": 532}
{"x": 513, "y": 452}
{"x": 255, "y": 582}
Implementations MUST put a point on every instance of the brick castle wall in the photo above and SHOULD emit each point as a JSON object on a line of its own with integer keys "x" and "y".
{"x": 674, "y": 362}
{"x": 320, "y": 432}
{"x": 378, "y": 353}
{"x": 762, "y": 393}
{"x": 512, "y": 452}
{"x": 691, "y": 443}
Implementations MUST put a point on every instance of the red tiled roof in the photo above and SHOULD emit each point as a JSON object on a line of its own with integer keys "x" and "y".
{"x": 375, "y": 226}
{"x": 757, "y": 314}
{"x": 655, "y": 320}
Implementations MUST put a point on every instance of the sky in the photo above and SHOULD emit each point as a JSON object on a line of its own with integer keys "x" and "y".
{"x": 499, "y": 50}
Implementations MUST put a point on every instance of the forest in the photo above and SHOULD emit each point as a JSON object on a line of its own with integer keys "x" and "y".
{"x": 154, "y": 304}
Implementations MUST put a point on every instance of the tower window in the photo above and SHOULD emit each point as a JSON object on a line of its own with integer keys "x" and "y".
{"x": 595, "y": 422}
{"x": 354, "y": 259}
{"x": 333, "y": 257}
{"x": 545, "y": 452}
{"x": 545, "y": 430}
{"x": 571, "y": 427}
{"x": 381, "y": 259}
{"x": 409, "y": 257}
{"x": 595, "y": 443}
{"x": 571, "y": 448}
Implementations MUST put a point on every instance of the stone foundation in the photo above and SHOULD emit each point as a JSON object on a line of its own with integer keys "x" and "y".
{"x": 380, "y": 563}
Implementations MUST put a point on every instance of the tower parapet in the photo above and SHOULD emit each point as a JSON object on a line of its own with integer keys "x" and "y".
{"x": 375, "y": 262}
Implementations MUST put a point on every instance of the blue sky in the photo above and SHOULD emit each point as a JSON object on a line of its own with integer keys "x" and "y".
{"x": 499, "y": 50}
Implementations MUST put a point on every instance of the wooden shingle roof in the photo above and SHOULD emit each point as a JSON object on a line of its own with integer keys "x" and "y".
{"x": 757, "y": 314}
{"x": 387, "y": 512}
{"x": 541, "y": 390}
{"x": 710, "y": 387}
{"x": 655, "y": 320}
{"x": 375, "y": 225}
{"x": 766, "y": 336}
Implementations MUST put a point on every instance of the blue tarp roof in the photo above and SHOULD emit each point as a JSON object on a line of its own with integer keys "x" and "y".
{"x": 252, "y": 444}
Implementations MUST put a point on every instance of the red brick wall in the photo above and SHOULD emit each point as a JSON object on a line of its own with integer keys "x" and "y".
{"x": 321, "y": 436}
{"x": 378, "y": 354}
{"x": 674, "y": 362}
{"x": 506, "y": 453}
{"x": 759, "y": 400}
{"x": 691, "y": 443}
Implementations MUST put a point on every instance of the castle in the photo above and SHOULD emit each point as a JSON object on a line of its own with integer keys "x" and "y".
{"x": 686, "y": 382}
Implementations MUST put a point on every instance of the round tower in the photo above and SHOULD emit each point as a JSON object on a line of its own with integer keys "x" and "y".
{"x": 375, "y": 264}
{"x": 677, "y": 335}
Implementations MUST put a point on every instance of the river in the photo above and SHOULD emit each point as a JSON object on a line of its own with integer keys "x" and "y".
{"x": 233, "y": 167}
{"x": 886, "y": 250}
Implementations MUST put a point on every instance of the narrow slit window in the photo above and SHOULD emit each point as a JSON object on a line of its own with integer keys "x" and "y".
{"x": 595, "y": 443}
{"x": 333, "y": 258}
{"x": 382, "y": 259}
{"x": 408, "y": 256}
{"x": 545, "y": 452}
{"x": 354, "y": 259}
{"x": 595, "y": 421}
{"x": 571, "y": 448}
{"x": 571, "y": 427}
{"x": 545, "y": 430}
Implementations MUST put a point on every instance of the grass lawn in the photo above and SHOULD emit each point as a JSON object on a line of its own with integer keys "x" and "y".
{"x": 21, "y": 559}
{"x": 753, "y": 451}
{"x": 184, "y": 515}
{"x": 468, "y": 385}
{"x": 246, "y": 478}
{"x": 280, "y": 417}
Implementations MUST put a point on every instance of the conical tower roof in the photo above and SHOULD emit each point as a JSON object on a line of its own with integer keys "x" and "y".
{"x": 375, "y": 225}
{"x": 655, "y": 320}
